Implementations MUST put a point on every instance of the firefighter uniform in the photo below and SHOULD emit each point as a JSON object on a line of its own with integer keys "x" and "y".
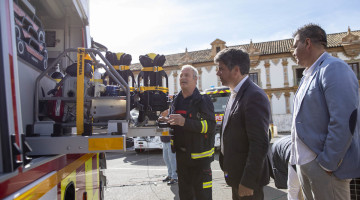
{"x": 194, "y": 145}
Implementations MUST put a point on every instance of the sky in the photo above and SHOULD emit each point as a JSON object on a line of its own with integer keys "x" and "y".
{"x": 138, "y": 27}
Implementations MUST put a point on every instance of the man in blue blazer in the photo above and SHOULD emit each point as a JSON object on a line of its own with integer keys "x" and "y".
{"x": 325, "y": 134}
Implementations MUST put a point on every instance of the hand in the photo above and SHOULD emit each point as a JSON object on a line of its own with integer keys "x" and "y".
{"x": 164, "y": 113}
{"x": 176, "y": 119}
{"x": 163, "y": 116}
{"x": 245, "y": 191}
{"x": 163, "y": 119}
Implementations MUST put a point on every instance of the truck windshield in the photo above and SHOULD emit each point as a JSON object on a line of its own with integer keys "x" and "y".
{"x": 220, "y": 103}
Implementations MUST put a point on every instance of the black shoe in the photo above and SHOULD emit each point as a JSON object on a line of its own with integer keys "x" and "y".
{"x": 168, "y": 178}
{"x": 172, "y": 182}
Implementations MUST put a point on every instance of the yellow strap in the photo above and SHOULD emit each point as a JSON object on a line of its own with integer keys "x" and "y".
{"x": 152, "y": 69}
{"x": 124, "y": 67}
{"x": 207, "y": 184}
{"x": 121, "y": 67}
{"x": 171, "y": 142}
{"x": 98, "y": 80}
{"x": 80, "y": 91}
{"x": 132, "y": 89}
{"x": 203, "y": 154}
{"x": 147, "y": 88}
{"x": 57, "y": 80}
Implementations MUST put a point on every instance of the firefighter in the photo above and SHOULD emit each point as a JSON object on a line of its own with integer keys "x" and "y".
{"x": 193, "y": 123}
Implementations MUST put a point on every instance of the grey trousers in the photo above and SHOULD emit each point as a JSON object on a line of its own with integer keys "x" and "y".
{"x": 316, "y": 184}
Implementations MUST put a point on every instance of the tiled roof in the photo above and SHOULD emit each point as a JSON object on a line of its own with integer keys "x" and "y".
{"x": 266, "y": 48}
{"x": 271, "y": 47}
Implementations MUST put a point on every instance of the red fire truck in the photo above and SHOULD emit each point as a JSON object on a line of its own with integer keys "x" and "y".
{"x": 23, "y": 56}
{"x": 41, "y": 170}
{"x": 54, "y": 105}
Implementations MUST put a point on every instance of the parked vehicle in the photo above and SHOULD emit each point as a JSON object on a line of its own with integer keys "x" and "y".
{"x": 220, "y": 96}
{"x": 57, "y": 116}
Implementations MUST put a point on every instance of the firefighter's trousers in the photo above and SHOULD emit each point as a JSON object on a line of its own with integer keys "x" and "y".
{"x": 195, "y": 177}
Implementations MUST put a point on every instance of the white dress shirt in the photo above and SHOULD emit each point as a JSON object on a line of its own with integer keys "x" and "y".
{"x": 300, "y": 152}
{"x": 228, "y": 109}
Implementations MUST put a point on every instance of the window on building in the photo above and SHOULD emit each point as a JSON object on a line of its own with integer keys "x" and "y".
{"x": 355, "y": 68}
{"x": 254, "y": 77}
{"x": 217, "y": 49}
{"x": 298, "y": 75}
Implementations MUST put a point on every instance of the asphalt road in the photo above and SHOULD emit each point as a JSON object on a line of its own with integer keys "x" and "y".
{"x": 132, "y": 176}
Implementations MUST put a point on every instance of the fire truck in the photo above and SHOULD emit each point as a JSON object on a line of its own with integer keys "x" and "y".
{"x": 220, "y": 97}
{"x": 57, "y": 115}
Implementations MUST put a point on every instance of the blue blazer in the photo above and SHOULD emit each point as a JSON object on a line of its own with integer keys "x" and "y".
{"x": 328, "y": 121}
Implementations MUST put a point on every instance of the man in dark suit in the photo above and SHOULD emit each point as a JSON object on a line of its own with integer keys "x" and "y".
{"x": 244, "y": 135}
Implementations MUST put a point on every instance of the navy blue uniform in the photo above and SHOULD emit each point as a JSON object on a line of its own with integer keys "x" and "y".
{"x": 194, "y": 145}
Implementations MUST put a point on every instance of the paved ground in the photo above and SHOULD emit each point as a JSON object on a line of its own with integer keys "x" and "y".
{"x": 133, "y": 176}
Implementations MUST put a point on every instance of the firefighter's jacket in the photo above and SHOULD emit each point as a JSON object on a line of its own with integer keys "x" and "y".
{"x": 199, "y": 127}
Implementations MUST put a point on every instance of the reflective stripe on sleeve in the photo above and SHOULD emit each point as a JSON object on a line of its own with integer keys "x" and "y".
{"x": 204, "y": 125}
{"x": 207, "y": 184}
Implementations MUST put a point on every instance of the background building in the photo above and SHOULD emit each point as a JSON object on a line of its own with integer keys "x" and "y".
{"x": 273, "y": 68}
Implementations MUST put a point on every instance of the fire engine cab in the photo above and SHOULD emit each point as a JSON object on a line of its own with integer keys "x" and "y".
{"x": 220, "y": 96}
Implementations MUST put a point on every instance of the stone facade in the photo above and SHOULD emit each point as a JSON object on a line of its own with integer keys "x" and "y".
{"x": 273, "y": 68}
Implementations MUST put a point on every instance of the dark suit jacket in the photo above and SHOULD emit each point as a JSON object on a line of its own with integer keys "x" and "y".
{"x": 246, "y": 140}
